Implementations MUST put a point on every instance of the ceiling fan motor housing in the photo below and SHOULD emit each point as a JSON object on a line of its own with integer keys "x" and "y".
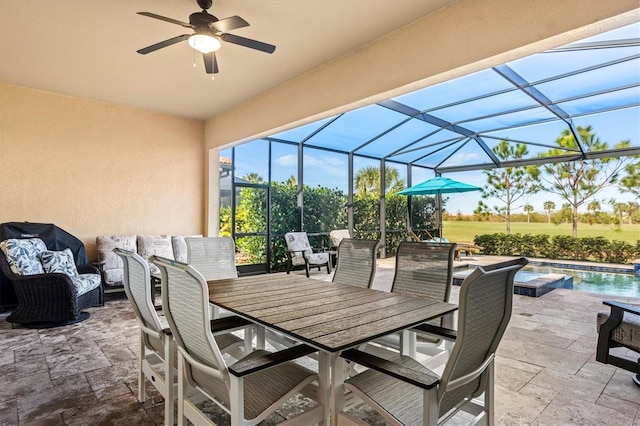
{"x": 201, "y": 20}
{"x": 205, "y": 4}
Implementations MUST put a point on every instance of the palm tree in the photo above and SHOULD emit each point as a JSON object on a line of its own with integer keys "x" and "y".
{"x": 367, "y": 180}
{"x": 594, "y": 207}
{"x": 548, "y": 207}
{"x": 632, "y": 209}
{"x": 528, "y": 208}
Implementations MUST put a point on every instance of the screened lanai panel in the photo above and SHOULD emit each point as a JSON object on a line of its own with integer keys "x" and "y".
{"x": 597, "y": 80}
{"x": 497, "y": 104}
{"x": 299, "y": 134}
{"x": 552, "y": 64}
{"x": 613, "y": 127}
{"x": 545, "y": 134}
{"x": 251, "y": 161}
{"x": 468, "y": 87}
{"x": 347, "y": 132}
{"x": 435, "y": 158}
{"x": 414, "y": 154}
{"x": 521, "y": 118}
{"x": 470, "y": 152}
{"x": 284, "y": 162}
{"x": 398, "y": 138}
{"x": 606, "y": 101}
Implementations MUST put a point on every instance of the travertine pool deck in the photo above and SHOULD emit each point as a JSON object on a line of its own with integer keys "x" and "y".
{"x": 546, "y": 373}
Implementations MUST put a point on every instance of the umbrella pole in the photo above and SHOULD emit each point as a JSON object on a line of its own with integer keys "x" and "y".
{"x": 439, "y": 214}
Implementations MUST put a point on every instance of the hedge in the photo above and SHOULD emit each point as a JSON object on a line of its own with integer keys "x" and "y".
{"x": 598, "y": 249}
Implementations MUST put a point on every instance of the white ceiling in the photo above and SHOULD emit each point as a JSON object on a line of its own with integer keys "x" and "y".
{"x": 87, "y": 48}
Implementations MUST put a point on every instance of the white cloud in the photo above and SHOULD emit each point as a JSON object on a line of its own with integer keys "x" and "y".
{"x": 287, "y": 160}
{"x": 335, "y": 162}
{"x": 310, "y": 161}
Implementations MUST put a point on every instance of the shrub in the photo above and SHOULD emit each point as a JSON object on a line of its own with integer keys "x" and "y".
{"x": 597, "y": 249}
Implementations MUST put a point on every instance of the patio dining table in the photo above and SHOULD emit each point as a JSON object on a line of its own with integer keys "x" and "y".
{"x": 326, "y": 316}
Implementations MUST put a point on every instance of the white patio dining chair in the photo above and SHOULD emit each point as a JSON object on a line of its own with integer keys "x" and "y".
{"x": 424, "y": 269}
{"x": 405, "y": 392}
{"x": 214, "y": 258}
{"x": 249, "y": 389}
{"x": 356, "y": 262}
{"x": 156, "y": 351}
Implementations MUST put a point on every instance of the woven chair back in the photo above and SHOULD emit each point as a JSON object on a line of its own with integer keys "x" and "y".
{"x": 213, "y": 257}
{"x": 356, "y": 262}
{"x": 485, "y": 303}
{"x": 137, "y": 286}
{"x": 185, "y": 301}
{"x": 424, "y": 269}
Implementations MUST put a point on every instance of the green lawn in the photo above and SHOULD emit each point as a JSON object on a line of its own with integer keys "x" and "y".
{"x": 466, "y": 231}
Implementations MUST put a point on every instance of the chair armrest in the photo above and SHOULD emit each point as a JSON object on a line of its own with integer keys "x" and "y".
{"x": 244, "y": 367}
{"x": 422, "y": 379}
{"x": 434, "y": 330}
{"x": 88, "y": 269}
{"x": 622, "y": 306}
{"x": 228, "y": 323}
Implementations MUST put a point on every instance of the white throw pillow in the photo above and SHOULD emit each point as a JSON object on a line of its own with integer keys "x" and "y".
{"x": 23, "y": 255}
{"x": 60, "y": 262}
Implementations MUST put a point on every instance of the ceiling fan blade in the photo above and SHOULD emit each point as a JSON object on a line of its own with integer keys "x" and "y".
{"x": 228, "y": 24}
{"x": 210, "y": 62}
{"x": 164, "y": 18}
{"x": 162, "y": 44}
{"x": 247, "y": 42}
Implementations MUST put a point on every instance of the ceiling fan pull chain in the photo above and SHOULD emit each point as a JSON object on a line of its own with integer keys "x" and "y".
{"x": 194, "y": 58}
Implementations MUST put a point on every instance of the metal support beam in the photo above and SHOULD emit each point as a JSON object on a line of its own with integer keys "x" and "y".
{"x": 350, "y": 195}
{"x": 383, "y": 212}
{"x": 438, "y": 122}
{"x": 517, "y": 80}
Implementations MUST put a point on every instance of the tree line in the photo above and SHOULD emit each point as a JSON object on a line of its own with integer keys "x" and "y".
{"x": 577, "y": 182}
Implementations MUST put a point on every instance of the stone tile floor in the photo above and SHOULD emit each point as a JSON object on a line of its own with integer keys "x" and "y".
{"x": 546, "y": 373}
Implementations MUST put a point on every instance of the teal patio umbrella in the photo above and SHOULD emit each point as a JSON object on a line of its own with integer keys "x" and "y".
{"x": 437, "y": 186}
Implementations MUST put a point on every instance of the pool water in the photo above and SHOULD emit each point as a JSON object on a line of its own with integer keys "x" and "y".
{"x": 627, "y": 285}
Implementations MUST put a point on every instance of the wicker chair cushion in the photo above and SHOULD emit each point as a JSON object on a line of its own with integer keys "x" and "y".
{"x": 299, "y": 242}
{"x": 337, "y": 235}
{"x": 84, "y": 283}
{"x": 23, "y": 255}
{"x": 627, "y": 333}
{"x": 314, "y": 259}
{"x": 159, "y": 245}
{"x": 59, "y": 262}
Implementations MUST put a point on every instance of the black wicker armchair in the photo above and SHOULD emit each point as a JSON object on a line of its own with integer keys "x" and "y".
{"x": 49, "y": 299}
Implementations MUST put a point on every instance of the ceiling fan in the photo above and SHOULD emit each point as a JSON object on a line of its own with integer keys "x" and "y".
{"x": 209, "y": 31}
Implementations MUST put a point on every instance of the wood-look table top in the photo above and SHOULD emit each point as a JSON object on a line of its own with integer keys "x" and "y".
{"x": 331, "y": 317}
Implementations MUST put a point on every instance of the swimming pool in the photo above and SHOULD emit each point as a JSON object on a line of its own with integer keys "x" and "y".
{"x": 615, "y": 284}
{"x": 536, "y": 280}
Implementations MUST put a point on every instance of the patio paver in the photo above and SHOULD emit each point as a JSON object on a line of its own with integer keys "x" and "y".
{"x": 546, "y": 373}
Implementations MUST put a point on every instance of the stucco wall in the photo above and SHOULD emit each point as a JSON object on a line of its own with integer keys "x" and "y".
{"x": 93, "y": 168}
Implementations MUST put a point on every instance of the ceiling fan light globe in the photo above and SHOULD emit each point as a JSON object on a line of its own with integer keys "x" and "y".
{"x": 204, "y": 43}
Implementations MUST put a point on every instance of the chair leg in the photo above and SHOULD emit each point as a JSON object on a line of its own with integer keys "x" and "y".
{"x": 306, "y": 267}
{"x": 182, "y": 394}
{"x": 169, "y": 380}
{"x": 142, "y": 394}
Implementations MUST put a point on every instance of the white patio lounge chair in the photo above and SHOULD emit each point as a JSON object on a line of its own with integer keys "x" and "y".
{"x": 300, "y": 253}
